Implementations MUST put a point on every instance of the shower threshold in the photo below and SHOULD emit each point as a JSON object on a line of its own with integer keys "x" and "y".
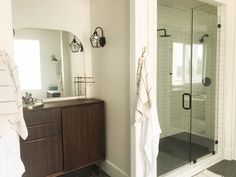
{"x": 174, "y": 151}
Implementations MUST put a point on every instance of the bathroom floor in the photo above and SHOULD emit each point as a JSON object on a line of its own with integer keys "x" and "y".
{"x": 174, "y": 151}
{"x": 86, "y": 172}
{"x": 225, "y": 167}
{"x": 169, "y": 162}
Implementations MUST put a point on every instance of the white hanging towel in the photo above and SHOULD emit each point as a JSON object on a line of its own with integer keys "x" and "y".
{"x": 146, "y": 115}
{"x": 12, "y": 122}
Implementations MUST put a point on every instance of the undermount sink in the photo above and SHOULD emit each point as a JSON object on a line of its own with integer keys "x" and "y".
{"x": 47, "y": 100}
{"x": 32, "y": 106}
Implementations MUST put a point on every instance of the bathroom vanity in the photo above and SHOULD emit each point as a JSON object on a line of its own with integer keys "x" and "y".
{"x": 63, "y": 136}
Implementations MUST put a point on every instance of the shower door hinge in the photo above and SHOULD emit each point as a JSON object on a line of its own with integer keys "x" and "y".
{"x": 216, "y": 142}
{"x": 219, "y": 26}
{"x": 195, "y": 161}
{"x": 214, "y": 152}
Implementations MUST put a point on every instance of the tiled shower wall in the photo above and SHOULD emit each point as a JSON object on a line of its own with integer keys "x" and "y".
{"x": 203, "y": 111}
{"x": 169, "y": 100}
{"x": 173, "y": 118}
{"x": 220, "y": 74}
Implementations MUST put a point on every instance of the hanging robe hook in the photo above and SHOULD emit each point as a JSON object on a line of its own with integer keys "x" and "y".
{"x": 143, "y": 51}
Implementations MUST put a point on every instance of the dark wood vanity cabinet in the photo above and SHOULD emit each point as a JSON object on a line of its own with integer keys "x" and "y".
{"x": 83, "y": 135}
{"x": 63, "y": 138}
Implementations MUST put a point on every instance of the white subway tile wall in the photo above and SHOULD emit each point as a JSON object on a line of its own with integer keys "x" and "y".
{"x": 173, "y": 118}
{"x": 205, "y": 23}
{"x": 220, "y": 65}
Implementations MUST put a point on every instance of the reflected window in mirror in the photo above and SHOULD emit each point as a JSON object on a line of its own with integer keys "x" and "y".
{"x": 27, "y": 57}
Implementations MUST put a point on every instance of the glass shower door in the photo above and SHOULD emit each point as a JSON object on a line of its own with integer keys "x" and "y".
{"x": 186, "y": 83}
{"x": 203, "y": 118}
{"x": 173, "y": 88}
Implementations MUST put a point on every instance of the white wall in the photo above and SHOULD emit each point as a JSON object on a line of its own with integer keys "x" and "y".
{"x": 67, "y": 15}
{"x": 229, "y": 131}
{"x": 6, "y": 26}
{"x": 111, "y": 72}
{"x": 142, "y": 34}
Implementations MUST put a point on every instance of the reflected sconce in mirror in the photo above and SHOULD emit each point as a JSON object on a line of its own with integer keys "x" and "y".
{"x": 54, "y": 59}
{"x": 76, "y": 46}
{"x": 96, "y": 40}
{"x": 14, "y": 32}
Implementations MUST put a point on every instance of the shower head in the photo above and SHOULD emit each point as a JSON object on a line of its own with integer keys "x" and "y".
{"x": 164, "y": 35}
{"x": 203, "y": 37}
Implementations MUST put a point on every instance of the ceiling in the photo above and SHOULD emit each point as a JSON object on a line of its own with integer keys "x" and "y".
{"x": 181, "y": 4}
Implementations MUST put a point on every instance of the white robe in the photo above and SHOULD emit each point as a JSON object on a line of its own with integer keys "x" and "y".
{"x": 146, "y": 115}
{"x": 11, "y": 111}
{"x": 12, "y": 122}
{"x": 10, "y": 161}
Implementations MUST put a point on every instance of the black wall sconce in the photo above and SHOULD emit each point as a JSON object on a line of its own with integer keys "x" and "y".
{"x": 96, "y": 40}
{"x": 75, "y": 46}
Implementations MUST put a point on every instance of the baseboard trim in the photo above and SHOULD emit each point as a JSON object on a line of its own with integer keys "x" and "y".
{"x": 112, "y": 170}
{"x": 228, "y": 153}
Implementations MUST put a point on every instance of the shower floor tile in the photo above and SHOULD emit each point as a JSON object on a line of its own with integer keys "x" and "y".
{"x": 167, "y": 162}
{"x": 174, "y": 152}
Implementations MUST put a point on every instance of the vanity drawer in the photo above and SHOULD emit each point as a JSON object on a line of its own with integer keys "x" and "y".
{"x": 41, "y": 117}
{"x": 42, "y": 157}
{"x": 44, "y": 131}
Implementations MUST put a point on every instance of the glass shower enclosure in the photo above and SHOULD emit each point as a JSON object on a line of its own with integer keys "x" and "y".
{"x": 186, "y": 82}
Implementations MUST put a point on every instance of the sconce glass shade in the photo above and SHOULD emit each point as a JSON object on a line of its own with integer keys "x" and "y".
{"x": 75, "y": 46}
{"x": 96, "y": 40}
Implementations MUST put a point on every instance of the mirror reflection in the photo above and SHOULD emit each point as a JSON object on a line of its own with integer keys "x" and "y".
{"x": 47, "y": 64}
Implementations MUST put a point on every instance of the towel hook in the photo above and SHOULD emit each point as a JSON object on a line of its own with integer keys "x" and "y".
{"x": 143, "y": 51}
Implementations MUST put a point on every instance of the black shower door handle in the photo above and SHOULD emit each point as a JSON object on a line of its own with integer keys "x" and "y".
{"x": 190, "y": 101}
